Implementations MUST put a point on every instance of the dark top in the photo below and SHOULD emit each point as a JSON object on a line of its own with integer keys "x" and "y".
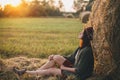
{"x": 82, "y": 58}
{"x": 84, "y": 64}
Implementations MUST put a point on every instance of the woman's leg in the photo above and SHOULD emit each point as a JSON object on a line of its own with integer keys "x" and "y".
{"x": 47, "y": 69}
{"x": 51, "y": 63}
{"x": 47, "y": 65}
{"x": 59, "y": 59}
{"x": 50, "y": 71}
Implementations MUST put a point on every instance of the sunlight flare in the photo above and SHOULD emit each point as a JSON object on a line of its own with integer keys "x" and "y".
{"x": 11, "y": 2}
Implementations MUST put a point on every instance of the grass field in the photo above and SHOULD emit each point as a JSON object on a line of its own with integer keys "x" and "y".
{"x": 38, "y": 37}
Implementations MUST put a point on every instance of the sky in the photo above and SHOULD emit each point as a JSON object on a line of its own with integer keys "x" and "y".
{"x": 12, "y": 2}
{"x": 68, "y": 4}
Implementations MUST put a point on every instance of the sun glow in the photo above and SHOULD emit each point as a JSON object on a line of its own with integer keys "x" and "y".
{"x": 11, "y": 2}
{"x": 68, "y": 4}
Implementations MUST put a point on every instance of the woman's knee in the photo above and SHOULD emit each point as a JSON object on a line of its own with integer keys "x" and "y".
{"x": 59, "y": 59}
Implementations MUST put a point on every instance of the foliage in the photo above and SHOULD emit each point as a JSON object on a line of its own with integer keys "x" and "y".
{"x": 38, "y": 37}
{"x": 1, "y": 12}
{"x": 34, "y": 8}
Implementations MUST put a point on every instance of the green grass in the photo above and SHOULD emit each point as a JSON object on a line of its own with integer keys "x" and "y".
{"x": 38, "y": 37}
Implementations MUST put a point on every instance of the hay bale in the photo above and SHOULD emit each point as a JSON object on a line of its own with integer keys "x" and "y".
{"x": 5, "y": 72}
{"x": 84, "y": 16}
{"x": 6, "y": 66}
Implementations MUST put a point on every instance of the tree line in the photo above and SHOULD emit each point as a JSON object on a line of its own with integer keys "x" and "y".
{"x": 35, "y": 8}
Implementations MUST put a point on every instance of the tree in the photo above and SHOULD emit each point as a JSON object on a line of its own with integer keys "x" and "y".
{"x": 23, "y": 9}
{"x": 51, "y": 3}
{"x": 60, "y": 4}
{"x": 37, "y": 8}
{"x": 105, "y": 19}
{"x": 9, "y": 11}
{"x": 1, "y": 11}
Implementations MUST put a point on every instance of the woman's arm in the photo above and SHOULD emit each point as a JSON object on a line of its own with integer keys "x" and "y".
{"x": 67, "y": 68}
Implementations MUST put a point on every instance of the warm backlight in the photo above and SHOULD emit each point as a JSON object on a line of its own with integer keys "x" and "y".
{"x": 68, "y": 4}
{"x": 11, "y": 2}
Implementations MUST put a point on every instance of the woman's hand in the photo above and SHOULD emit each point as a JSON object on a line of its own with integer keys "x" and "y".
{"x": 51, "y": 57}
{"x": 62, "y": 67}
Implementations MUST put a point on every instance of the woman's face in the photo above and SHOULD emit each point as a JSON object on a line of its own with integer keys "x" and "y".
{"x": 81, "y": 43}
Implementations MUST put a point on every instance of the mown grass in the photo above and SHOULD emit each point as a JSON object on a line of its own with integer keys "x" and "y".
{"x": 38, "y": 37}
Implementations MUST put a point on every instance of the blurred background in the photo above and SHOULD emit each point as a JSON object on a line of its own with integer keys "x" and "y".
{"x": 43, "y": 8}
{"x": 35, "y": 8}
{"x": 38, "y": 28}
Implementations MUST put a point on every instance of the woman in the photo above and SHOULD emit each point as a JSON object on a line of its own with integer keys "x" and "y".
{"x": 80, "y": 63}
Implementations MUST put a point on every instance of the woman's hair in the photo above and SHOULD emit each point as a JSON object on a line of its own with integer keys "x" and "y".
{"x": 89, "y": 31}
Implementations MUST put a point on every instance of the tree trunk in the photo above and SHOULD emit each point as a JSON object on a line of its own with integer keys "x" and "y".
{"x": 105, "y": 19}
